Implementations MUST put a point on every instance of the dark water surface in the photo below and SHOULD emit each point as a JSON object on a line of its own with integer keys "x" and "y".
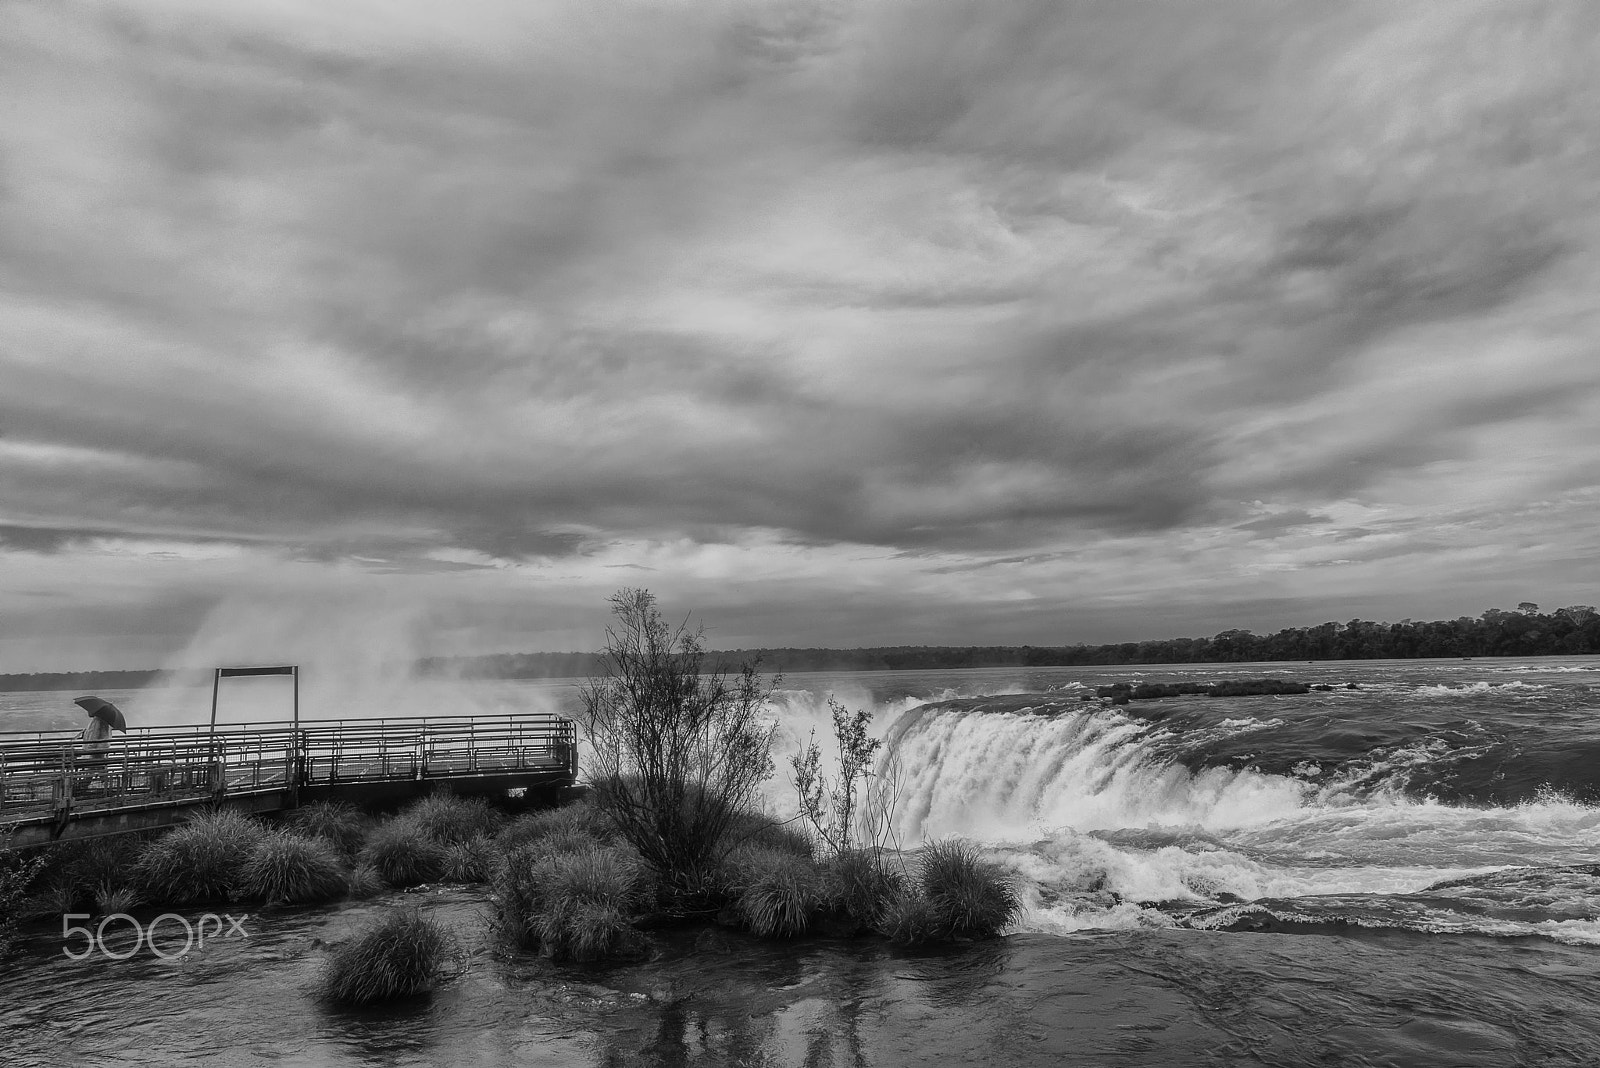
{"x": 1404, "y": 873}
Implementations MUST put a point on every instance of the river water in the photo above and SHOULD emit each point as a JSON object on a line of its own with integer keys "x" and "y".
{"x": 1401, "y": 870}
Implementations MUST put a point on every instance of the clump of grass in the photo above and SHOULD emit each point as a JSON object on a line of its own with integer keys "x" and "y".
{"x": 571, "y": 906}
{"x": 958, "y": 895}
{"x": 757, "y": 829}
{"x": 200, "y": 861}
{"x": 578, "y": 822}
{"x": 364, "y": 881}
{"x": 450, "y": 820}
{"x": 293, "y": 870}
{"x": 779, "y": 893}
{"x": 471, "y": 861}
{"x": 110, "y": 900}
{"x": 908, "y": 919}
{"x": 400, "y": 956}
{"x": 402, "y": 855}
{"x": 572, "y": 841}
{"x": 859, "y": 885}
{"x": 341, "y": 825}
{"x": 588, "y": 931}
{"x": 75, "y": 874}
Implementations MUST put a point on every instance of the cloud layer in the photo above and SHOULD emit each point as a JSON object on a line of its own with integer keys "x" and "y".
{"x": 838, "y": 322}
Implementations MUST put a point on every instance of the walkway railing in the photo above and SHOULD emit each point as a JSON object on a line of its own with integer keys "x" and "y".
{"x": 56, "y": 776}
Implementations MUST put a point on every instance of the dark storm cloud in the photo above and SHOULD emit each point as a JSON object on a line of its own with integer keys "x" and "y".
{"x": 34, "y": 539}
{"x": 860, "y": 293}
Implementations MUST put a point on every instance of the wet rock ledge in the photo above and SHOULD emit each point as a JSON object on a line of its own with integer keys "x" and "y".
{"x": 1120, "y": 693}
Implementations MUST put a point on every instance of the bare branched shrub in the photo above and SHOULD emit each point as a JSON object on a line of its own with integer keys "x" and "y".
{"x": 676, "y": 754}
{"x": 854, "y": 810}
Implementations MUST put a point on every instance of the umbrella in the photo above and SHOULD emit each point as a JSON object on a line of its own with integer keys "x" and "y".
{"x": 104, "y": 711}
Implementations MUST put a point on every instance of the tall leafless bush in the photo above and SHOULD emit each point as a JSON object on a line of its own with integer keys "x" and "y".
{"x": 676, "y": 753}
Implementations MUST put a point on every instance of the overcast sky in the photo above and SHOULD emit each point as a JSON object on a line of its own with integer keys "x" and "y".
{"x": 837, "y": 323}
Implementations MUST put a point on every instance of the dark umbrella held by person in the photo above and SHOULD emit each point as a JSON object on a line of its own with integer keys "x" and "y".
{"x": 104, "y": 717}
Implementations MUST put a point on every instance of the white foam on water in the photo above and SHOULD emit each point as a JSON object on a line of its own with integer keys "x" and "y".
{"x": 1447, "y": 689}
{"x": 1098, "y": 829}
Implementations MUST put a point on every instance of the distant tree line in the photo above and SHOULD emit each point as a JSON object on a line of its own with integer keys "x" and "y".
{"x": 1570, "y": 631}
{"x": 79, "y": 680}
{"x": 1524, "y": 632}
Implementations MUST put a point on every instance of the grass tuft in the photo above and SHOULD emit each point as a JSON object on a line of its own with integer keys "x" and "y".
{"x": 199, "y": 862}
{"x": 364, "y": 882}
{"x": 110, "y": 900}
{"x": 402, "y": 855}
{"x": 297, "y": 871}
{"x": 568, "y": 826}
{"x": 571, "y": 906}
{"x": 779, "y": 894}
{"x": 908, "y": 919}
{"x": 341, "y": 825}
{"x": 586, "y": 931}
{"x": 471, "y": 861}
{"x": 450, "y": 820}
{"x": 859, "y": 885}
{"x": 400, "y": 956}
{"x": 958, "y": 895}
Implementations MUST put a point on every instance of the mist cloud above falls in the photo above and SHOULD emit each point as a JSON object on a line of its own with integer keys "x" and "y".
{"x": 839, "y": 323}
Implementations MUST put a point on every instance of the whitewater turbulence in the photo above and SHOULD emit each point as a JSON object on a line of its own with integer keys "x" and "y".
{"x": 1112, "y": 820}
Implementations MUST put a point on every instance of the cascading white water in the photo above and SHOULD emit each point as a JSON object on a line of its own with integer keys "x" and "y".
{"x": 1099, "y": 826}
{"x": 1013, "y": 777}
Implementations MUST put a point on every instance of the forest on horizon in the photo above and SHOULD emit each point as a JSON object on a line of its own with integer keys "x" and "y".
{"x": 1525, "y": 631}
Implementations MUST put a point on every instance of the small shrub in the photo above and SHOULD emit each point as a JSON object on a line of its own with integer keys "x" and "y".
{"x": 400, "y": 956}
{"x": 293, "y": 870}
{"x": 403, "y": 855}
{"x": 859, "y": 886}
{"x": 341, "y": 825}
{"x": 571, "y": 906}
{"x": 469, "y": 862}
{"x": 450, "y": 820}
{"x": 835, "y": 807}
{"x": 959, "y": 895}
{"x": 780, "y": 893}
{"x": 581, "y": 819}
{"x": 200, "y": 861}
